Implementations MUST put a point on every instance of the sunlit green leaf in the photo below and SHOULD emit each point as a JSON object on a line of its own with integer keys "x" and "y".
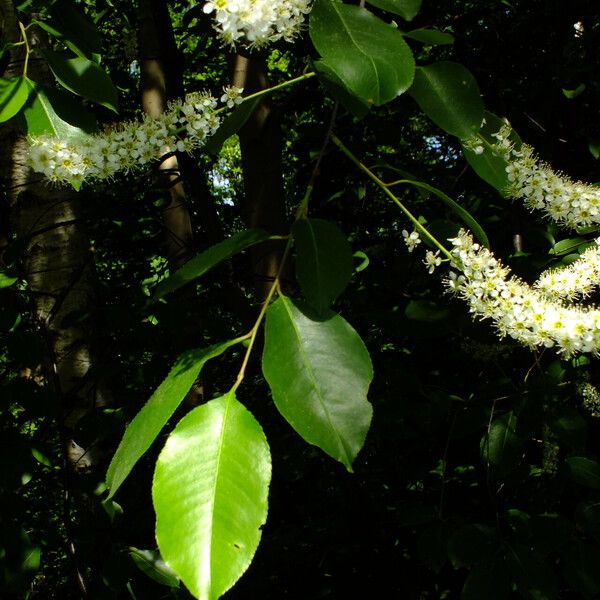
{"x": 319, "y": 372}
{"x": 148, "y": 423}
{"x": 14, "y": 92}
{"x": 54, "y": 113}
{"x": 201, "y": 264}
{"x": 210, "y": 495}
{"x": 501, "y": 446}
{"x": 369, "y": 56}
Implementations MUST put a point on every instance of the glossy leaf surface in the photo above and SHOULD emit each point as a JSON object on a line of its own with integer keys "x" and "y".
{"x": 501, "y": 447}
{"x": 153, "y": 416}
{"x": 449, "y": 95}
{"x": 210, "y": 494}
{"x": 368, "y": 55}
{"x": 430, "y": 37}
{"x": 584, "y": 471}
{"x": 54, "y": 113}
{"x": 323, "y": 261}
{"x": 14, "y": 92}
{"x": 319, "y": 372}
{"x": 231, "y": 125}
{"x": 201, "y": 264}
{"x": 83, "y": 77}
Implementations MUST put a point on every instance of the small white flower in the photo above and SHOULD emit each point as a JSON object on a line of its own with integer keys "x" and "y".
{"x": 432, "y": 260}
{"x": 232, "y": 95}
{"x": 411, "y": 239}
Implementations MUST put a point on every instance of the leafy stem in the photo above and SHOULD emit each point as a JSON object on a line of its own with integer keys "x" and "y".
{"x": 386, "y": 189}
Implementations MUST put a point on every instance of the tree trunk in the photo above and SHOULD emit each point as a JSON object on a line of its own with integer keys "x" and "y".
{"x": 260, "y": 141}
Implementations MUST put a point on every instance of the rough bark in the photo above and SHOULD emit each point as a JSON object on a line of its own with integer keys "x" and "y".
{"x": 260, "y": 141}
{"x": 57, "y": 262}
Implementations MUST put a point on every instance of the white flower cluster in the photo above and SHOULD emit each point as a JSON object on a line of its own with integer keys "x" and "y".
{"x": 518, "y": 310}
{"x": 591, "y": 398}
{"x": 574, "y": 281}
{"x": 258, "y": 22}
{"x": 571, "y": 203}
{"x": 183, "y": 128}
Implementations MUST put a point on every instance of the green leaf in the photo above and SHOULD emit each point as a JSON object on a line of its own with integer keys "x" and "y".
{"x": 532, "y": 576}
{"x": 430, "y": 37}
{"x": 584, "y": 471}
{"x": 581, "y": 568}
{"x": 338, "y": 89}
{"x": 14, "y": 92}
{"x": 456, "y": 208}
{"x": 449, "y": 95}
{"x": 319, "y": 372}
{"x": 231, "y": 125}
{"x": 201, "y": 264}
{"x": 489, "y": 581}
{"x": 407, "y": 9}
{"x": 567, "y": 246}
{"x": 489, "y": 165}
{"x": 501, "y": 446}
{"x": 587, "y": 516}
{"x": 210, "y": 492}
{"x": 323, "y": 261}
{"x": 153, "y": 416}
{"x": 54, "y": 113}
{"x": 369, "y": 56}
{"x": 83, "y": 77}
{"x": 570, "y": 426}
{"x": 75, "y": 29}
{"x": 571, "y": 94}
{"x": 471, "y": 545}
{"x": 151, "y": 564}
{"x": 7, "y": 280}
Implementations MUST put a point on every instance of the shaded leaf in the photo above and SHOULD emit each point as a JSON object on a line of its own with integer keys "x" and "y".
{"x": 153, "y": 416}
{"x": 581, "y": 568}
{"x": 231, "y": 125}
{"x": 407, "y": 9}
{"x": 201, "y": 264}
{"x": 369, "y": 56}
{"x": 532, "y": 575}
{"x": 431, "y": 37}
{"x": 7, "y": 280}
{"x": 151, "y": 564}
{"x": 489, "y": 581}
{"x": 210, "y": 495}
{"x": 76, "y": 30}
{"x": 472, "y": 544}
{"x": 584, "y": 471}
{"x": 488, "y": 164}
{"x": 449, "y": 95}
{"x": 501, "y": 446}
{"x": 323, "y": 261}
{"x": 319, "y": 372}
{"x": 83, "y": 77}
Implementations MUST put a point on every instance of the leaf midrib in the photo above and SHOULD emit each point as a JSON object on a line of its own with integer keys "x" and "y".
{"x": 313, "y": 379}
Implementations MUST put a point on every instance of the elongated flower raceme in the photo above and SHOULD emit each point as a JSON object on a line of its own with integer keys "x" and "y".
{"x": 570, "y": 203}
{"x": 257, "y": 22}
{"x": 577, "y": 280}
{"x": 133, "y": 145}
{"x": 517, "y": 309}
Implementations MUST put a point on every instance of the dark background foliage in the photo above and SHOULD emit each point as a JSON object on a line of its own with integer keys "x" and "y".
{"x": 465, "y": 474}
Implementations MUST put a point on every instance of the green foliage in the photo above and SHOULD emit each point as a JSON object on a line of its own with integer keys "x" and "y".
{"x": 323, "y": 262}
{"x": 209, "y": 511}
{"x": 368, "y": 56}
{"x": 319, "y": 372}
{"x": 148, "y": 423}
{"x": 14, "y": 92}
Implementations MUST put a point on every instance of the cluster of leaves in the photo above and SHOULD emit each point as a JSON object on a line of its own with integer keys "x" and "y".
{"x": 481, "y": 463}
